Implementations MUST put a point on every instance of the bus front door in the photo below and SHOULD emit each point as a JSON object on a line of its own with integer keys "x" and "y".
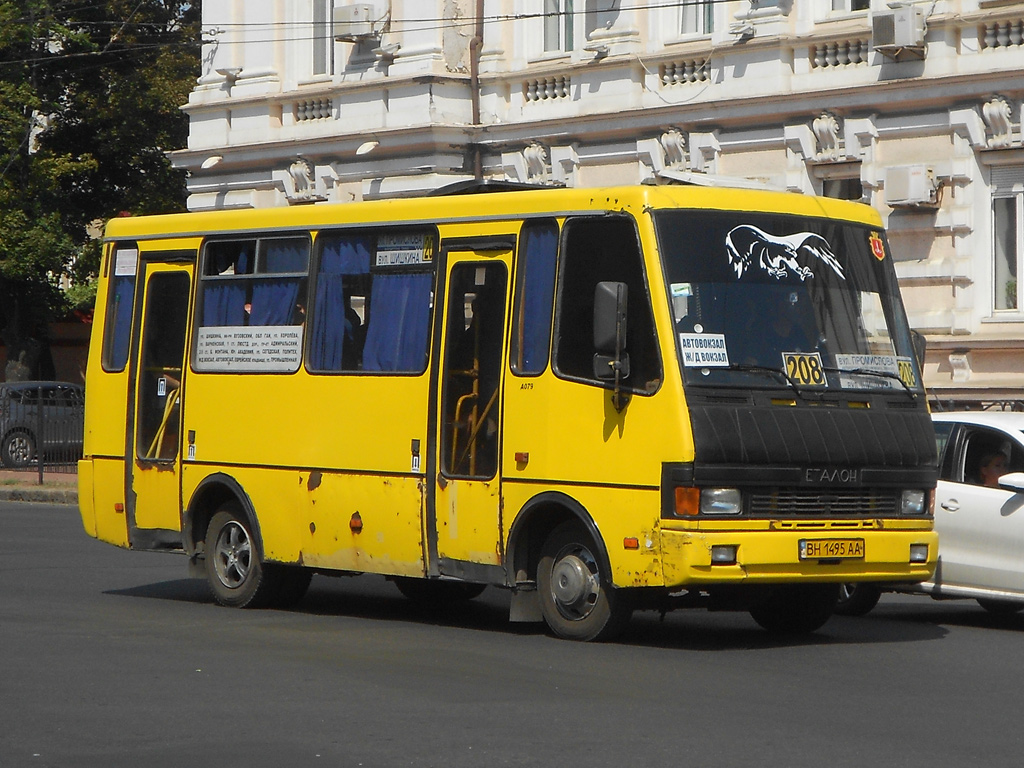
{"x": 153, "y": 489}
{"x": 464, "y": 526}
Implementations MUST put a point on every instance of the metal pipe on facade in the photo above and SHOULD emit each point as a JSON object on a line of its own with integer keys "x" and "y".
{"x": 475, "y": 47}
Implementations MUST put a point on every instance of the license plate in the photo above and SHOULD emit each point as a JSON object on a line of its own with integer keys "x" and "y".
{"x": 830, "y": 549}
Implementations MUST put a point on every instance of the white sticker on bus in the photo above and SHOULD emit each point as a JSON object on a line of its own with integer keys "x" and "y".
{"x": 243, "y": 348}
{"x": 126, "y": 262}
{"x": 705, "y": 350}
{"x": 401, "y": 250}
{"x": 886, "y": 364}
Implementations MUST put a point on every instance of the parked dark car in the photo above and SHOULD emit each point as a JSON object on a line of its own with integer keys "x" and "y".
{"x": 61, "y": 422}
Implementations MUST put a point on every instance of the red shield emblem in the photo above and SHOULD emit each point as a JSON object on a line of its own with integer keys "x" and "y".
{"x": 877, "y": 246}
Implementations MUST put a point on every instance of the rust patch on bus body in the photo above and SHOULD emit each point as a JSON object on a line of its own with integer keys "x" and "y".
{"x": 315, "y": 478}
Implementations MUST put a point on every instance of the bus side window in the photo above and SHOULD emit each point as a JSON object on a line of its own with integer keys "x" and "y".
{"x": 369, "y": 316}
{"x": 255, "y": 282}
{"x": 535, "y": 291}
{"x": 596, "y": 250}
{"x": 338, "y": 329}
{"x": 117, "y": 328}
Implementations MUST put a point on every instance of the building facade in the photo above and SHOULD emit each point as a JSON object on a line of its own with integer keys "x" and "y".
{"x": 913, "y": 108}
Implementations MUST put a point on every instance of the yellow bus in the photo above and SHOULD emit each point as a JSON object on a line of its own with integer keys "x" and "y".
{"x": 601, "y": 399}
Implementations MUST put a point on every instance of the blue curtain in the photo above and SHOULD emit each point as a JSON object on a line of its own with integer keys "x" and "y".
{"x": 287, "y": 255}
{"x": 340, "y": 256}
{"x": 538, "y": 293}
{"x": 273, "y": 301}
{"x": 224, "y": 303}
{"x": 396, "y": 339}
{"x": 120, "y": 321}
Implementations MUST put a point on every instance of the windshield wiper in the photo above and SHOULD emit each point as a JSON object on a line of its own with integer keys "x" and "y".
{"x": 779, "y": 374}
{"x": 880, "y": 374}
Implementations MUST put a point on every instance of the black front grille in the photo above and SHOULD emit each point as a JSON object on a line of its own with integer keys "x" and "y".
{"x": 822, "y": 502}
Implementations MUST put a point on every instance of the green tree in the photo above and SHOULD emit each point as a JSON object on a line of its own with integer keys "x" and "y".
{"x": 90, "y": 96}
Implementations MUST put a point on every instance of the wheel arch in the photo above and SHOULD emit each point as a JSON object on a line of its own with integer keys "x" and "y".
{"x": 535, "y": 522}
{"x": 210, "y": 495}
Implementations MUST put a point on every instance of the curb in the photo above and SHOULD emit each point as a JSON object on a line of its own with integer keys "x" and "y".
{"x": 39, "y": 494}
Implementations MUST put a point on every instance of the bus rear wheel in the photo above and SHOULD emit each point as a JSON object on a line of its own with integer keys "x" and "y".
{"x": 796, "y": 609}
{"x": 576, "y": 596}
{"x": 235, "y": 573}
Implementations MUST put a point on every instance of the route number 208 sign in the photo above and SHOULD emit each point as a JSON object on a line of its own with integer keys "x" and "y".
{"x": 804, "y": 368}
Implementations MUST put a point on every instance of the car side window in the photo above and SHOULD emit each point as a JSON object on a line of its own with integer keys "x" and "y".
{"x": 987, "y": 455}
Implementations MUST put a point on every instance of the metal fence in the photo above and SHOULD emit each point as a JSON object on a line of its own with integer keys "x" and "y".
{"x": 41, "y": 425}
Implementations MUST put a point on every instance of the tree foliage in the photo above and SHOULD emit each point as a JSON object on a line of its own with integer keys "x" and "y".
{"x": 90, "y": 96}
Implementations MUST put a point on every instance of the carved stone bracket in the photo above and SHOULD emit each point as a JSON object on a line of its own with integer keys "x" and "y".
{"x": 673, "y": 141}
{"x": 998, "y": 116}
{"x": 302, "y": 188}
{"x": 826, "y": 134}
{"x": 537, "y": 166}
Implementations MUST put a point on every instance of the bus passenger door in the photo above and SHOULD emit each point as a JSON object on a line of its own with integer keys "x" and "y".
{"x": 153, "y": 492}
{"x": 464, "y": 525}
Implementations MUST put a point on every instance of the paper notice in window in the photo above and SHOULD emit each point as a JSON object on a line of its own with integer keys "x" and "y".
{"x": 262, "y": 348}
{"x": 704, "y": 350}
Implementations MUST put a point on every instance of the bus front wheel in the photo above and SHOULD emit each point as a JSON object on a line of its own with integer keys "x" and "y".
{"x": 576, "y": 597}
{"x": 796, "y": 609}
{"x": 237, "y": 577}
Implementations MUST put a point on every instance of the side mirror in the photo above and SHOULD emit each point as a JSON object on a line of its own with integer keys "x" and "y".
{"x": 1013, "y": 481}
{"x": 610, "y": 358}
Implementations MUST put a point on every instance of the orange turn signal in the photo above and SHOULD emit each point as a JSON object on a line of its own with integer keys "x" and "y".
{"x": 687, "y": 501}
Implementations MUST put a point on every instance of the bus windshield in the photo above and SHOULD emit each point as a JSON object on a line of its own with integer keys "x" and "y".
{"x": 770, "y": 300}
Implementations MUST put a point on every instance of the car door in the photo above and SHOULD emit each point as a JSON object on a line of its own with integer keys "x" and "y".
{"x": 981, "y": 529}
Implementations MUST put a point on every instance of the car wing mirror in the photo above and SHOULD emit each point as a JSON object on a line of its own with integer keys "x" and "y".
{"x": 610, "y": 358}
{"x": 1013, "y": 481}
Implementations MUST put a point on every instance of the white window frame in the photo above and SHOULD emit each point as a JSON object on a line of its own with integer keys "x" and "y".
{"x": 696, "y": 17}
{"x": 1001, "y": 277}
{"x": 847, "y": 6}
{"x": 560, "y": 26}
{"x": 322, "y": 54}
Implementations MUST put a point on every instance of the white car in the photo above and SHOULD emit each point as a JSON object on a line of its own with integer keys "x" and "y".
{"x": 979, "y": 515}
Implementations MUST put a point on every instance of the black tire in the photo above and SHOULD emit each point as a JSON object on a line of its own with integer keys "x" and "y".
{"x": 19, "y": 449}
{"x": 1000, "y": 607}
{"x": 857, "y": 599}
{"x": 576, "y": 596}
{"x": 435, "y": 592}
{"x": 234, "y": 571}
{"x": 292, "y": 582}
{"x": 796, "y": 609}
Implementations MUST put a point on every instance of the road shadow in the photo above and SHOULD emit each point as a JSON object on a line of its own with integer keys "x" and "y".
{"x": 950, "y": 612}
{"x": 373, "y": 598}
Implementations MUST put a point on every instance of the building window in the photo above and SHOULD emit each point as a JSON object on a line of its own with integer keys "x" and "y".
{"x": 842, "y": 189}
{"x": 849, "y": 6}
{"x": 1008, "y": 234}
{"x": 697, "y": 17}
{"x": 323, "y": 37}
{"x": 558, "y": 25}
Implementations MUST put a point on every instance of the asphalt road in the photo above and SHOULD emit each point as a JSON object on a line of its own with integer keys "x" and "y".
{"x": 115, "y": 658}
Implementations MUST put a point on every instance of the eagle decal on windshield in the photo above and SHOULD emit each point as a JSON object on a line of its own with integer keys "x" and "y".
{"x": 752, "y": 248}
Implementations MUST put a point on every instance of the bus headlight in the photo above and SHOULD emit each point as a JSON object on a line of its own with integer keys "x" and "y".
{"x": 721, "y": 501}
{"x": 913, "y": 503}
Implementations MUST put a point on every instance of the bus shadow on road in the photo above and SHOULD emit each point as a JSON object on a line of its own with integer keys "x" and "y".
{"x": 698, "y": 630}
{"x": 374, "y": 599}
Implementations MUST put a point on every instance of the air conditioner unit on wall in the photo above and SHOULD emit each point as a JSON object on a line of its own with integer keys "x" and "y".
{"x": 911, "y": 186}
{"x": 899, "y": 32}
{"x": 353, "y": 23}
